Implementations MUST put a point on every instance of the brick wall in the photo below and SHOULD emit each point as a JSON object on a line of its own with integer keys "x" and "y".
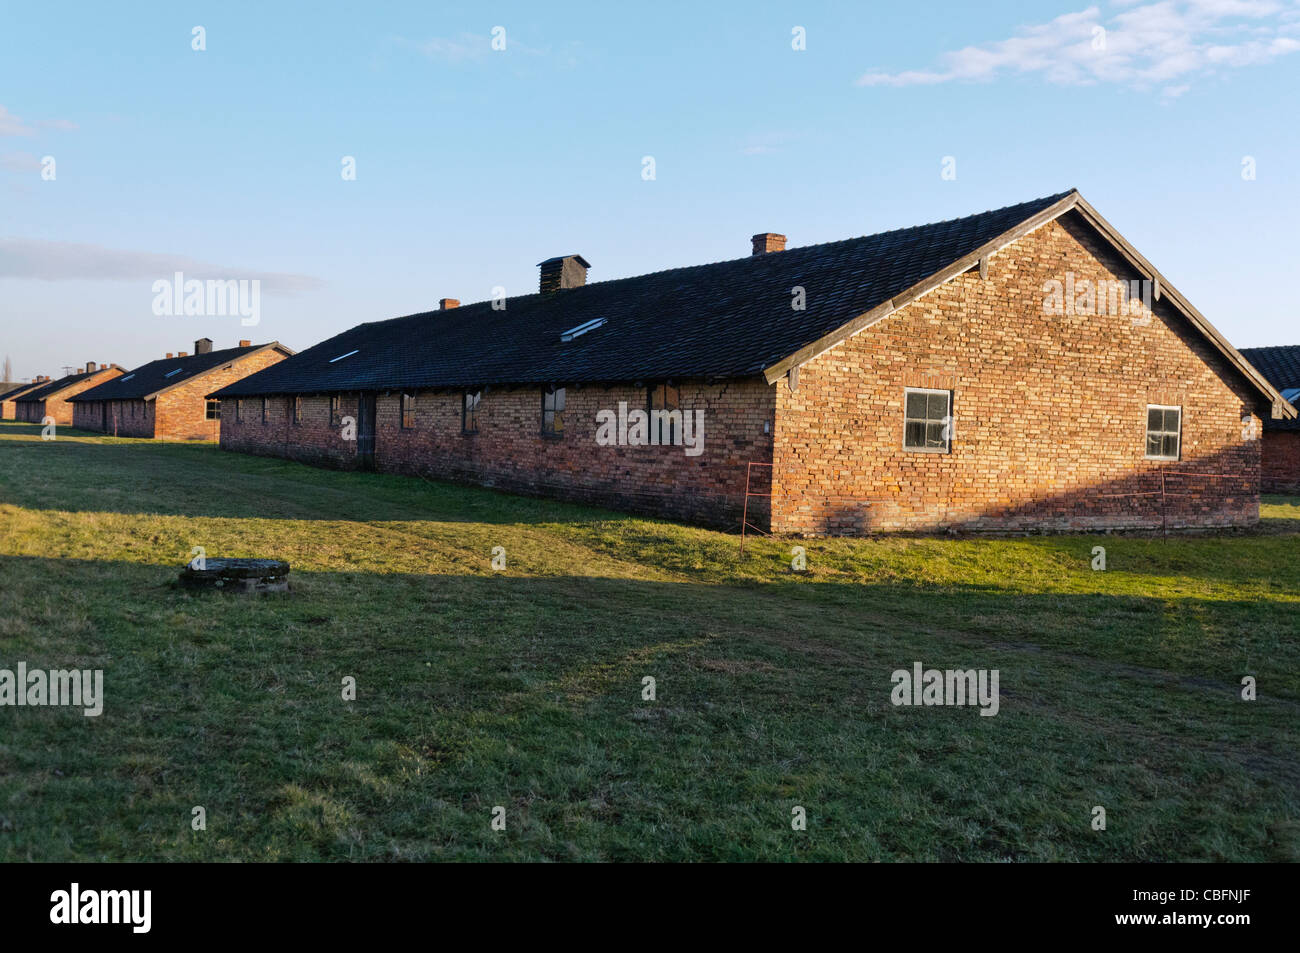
{"x": 57, "y": 406}
{"x": 1281, "y": 462}
{"x": 126, "y": 418}
{"x": 9, "y": 408}
{"x": 510, "y": 453}
{"x": 1049, "y": 412}
{"x": 181, "y": 412}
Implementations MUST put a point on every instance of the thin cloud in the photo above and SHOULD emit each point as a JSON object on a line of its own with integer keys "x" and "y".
{"x": 19, "y": 162}
{"x": 1166, "y": 44}
{"x": 33, "y": 259}
{"x": 11, "y": 125}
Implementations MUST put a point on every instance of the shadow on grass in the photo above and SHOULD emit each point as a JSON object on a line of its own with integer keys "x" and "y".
{"x": 474, "y": 691}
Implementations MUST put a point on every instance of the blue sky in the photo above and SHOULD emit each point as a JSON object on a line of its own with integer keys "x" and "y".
{"x": 474, "y": 164}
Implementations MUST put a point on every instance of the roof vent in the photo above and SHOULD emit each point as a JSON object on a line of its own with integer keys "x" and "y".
{"x": 765, "y": 242}
{"x": 566, "y": 271}
{"x": 582, "y": 329}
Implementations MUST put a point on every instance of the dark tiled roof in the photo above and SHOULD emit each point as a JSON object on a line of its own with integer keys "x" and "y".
{"x": 727, "y": 319}
{"x": 152, "y": 377}
{"x": 53, "y": 387}
{"x": 1281, "y": 365}
{"x": 8, "y": 389}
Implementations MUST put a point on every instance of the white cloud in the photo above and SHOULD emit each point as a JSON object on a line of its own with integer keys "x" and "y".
{"x": 11, "y": 125}
{"x": 1145, "y": 45}
{"x": 34, "y": 259}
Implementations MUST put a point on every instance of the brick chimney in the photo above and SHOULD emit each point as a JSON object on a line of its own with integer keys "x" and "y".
{"x": 182, "y": 353}
{"x": 446, "y": 304}
{"x": 765, "y": 242}
{"x": 203, "y": 346}
{"x": 169, "y": 355}
{"x": 566, "y": 271}
{"x": 90, "y": 366}
{"x": 245, "y": 343}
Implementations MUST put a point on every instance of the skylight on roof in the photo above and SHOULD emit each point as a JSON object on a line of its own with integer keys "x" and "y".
{"x": 1292, "y": 394}
{"x": 128, "y": 377}
{"x": 581, "y": 329}
{"x": 341, "y": 356}
{"x": 173, "y": 373}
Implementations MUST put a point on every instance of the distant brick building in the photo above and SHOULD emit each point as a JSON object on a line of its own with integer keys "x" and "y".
{"x": 9, "y": 396}
{"x": 1018, "y": 370}
{"x": 53, "y": 399}
{"x": 1281, "y": 450}
{"x": 168, "y": 399}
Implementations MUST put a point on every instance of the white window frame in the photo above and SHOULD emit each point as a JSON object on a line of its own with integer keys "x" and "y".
{"x": 947, "y": 446}
{"x": 1147, "y": 432}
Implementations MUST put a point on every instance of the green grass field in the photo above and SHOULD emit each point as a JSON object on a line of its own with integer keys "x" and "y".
{"x": 522, "y": 688}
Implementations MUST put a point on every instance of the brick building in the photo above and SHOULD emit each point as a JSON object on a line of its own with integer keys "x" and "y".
{"x": 9, "y": 396}
{"x": 1280, "y": 453}
{"x": 1020, "y": 369}
{"x": 53, "y": 398}
{"x": 168, "y": 399}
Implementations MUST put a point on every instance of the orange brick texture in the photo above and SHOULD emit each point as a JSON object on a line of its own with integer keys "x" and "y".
{"x": 58, "y": 406}
{"x": 1049, "y": 412}
{"x": 179, "y": 413}
{"x": 510, "y": 453}
{"x": 1281, "y": 464}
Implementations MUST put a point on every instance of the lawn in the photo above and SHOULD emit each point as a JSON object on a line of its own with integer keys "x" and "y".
{"x": 522, "y": 688}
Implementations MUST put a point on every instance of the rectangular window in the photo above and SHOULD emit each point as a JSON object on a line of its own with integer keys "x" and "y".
{"x": 1164, "y": 432}
{"x": 297, "y": 411}
{"x": 553, "y": 412}
{"x": 408, "y": 411}
{"x": 665, "y": 414}
{"x": 336, "y": 414}
{"x": 469, "y": 413}
{"x": 214, "y": 409}
{"x": 927, "y": 420}
{"x": 266, "y": 409}
{"x": 133, "y": 410}
{"x": 239, "y": 410}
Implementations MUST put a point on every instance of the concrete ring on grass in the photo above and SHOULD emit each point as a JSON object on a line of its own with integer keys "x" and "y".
{"x": 238, "y": 575}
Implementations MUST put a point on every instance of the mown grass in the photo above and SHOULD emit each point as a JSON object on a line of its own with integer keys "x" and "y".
{"x": 522, "y": 688}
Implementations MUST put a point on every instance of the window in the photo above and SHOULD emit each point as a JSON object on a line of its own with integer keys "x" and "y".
{"x": 213, "y": 409}
{"x": 1164, "y": 429}
{"x": 336, "y": 413}
{"x": 582, "y": 329}
{"x": 266, "y": 409}
{"x": 927, "y": 420}
{"x": 408, "y": 411}
{"x": 1292, "y": 394}
{"x": 666, "y": 425}
{"x": 553, "y": 412}
{"x": 239, "y": 410}
{"x": 469, "y": 413}
{"x": 297, "y": 410}
{"x": 173, "y": 373}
